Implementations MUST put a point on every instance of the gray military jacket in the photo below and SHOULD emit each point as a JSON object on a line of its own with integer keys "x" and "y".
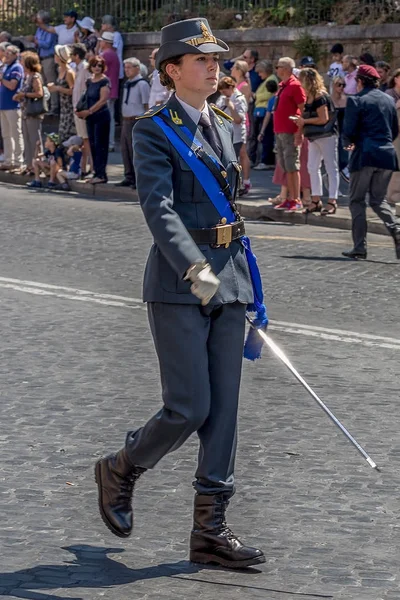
{"x": 173, "y": 201}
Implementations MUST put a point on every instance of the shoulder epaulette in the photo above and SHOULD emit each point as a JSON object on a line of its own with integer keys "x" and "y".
{"x": 220, "y": 112}
{"x": 154, "y": 110}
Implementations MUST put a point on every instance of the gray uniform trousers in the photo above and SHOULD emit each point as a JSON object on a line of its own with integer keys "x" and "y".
{"x": 376, "y": 182}
{"x": 200, "y": 353}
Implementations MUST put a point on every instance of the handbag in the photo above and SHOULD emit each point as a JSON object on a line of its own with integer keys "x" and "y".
{"x": 35, "y": 107}
{"x": 82, "y": 103}
{"x": 317, "y": 132}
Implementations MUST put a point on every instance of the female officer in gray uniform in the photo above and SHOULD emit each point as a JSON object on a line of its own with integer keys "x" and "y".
{"x": 197, "y": 285}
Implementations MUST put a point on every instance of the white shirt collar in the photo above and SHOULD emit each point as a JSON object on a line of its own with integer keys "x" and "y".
{"x": 193, "y": 113}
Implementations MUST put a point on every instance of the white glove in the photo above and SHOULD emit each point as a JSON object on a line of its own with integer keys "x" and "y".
{"x": 204, "y": 283}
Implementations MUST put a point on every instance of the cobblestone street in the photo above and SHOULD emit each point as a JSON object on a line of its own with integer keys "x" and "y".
{"x": 78, "y": 369}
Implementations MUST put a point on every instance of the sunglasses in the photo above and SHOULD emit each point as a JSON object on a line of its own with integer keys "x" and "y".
{"x": 98, "y": 64}
{"x": 278, "y": 66}
{"x": 341, "y": 85}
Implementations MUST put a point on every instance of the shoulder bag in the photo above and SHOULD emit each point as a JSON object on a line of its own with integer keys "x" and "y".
{"x": 35, "y": 107}
{"x": 316, "y": 132}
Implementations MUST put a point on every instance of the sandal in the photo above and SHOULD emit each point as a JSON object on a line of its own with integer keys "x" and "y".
{"x": 329, "y": 211}
{"x": 313, "y": 207}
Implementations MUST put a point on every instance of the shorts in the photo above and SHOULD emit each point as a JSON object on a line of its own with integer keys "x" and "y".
{"x": 69, "y": 175}
{"x": 81, "y": 127}
{"x": 287, "y": 153}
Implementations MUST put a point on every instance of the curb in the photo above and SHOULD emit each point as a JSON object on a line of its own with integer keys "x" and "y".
{"x": 102, "y": 191}
{"x": 253, "y": 210}
{"x": 263, "y": 211}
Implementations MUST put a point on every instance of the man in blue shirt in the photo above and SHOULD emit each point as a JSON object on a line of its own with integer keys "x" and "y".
{"x": 45, "y": 42}
{"x": 11, "y": 79}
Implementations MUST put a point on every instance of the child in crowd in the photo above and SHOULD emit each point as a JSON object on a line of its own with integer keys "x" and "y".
{"x": 74, "y": 146}
{"x": 48, "y": 160}
{"x": 336, "y": 68}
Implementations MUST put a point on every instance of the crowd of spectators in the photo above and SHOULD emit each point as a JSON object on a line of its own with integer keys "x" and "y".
{"x": 76, "y": 73}
{"x": 286, "y": 117}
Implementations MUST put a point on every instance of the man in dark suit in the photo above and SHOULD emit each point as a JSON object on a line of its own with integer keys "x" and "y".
{"x": 370, "y": 126}
{"x": 197, "y": 285}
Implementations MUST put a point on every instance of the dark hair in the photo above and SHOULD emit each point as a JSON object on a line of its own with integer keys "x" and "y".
{"x": 272, "y": 86}
{"x": 97, "y": 60}
{"x": 337, "y": 49}
{"x": 368, "y": 82}
{"x": 79, "y": 50}
{"x": 71, "y": 13}
{"x": 392, "y": 82}
{"x": 253, "y": 53}
{"x": 367, "y": 59}
{"x": 31, "y": 61}
{"x": 382, "y": 64}
{"x": 17, "y": 42}
{"x": 165, "y": 79}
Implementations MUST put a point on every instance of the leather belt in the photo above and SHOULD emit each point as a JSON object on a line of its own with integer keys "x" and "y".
{"x": 221, "y": 235}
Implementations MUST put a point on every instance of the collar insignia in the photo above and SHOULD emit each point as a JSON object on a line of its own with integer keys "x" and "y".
{"x": 175, "y": 117}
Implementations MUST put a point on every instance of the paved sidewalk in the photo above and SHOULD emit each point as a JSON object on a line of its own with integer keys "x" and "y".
{"x": 254, "y": 206}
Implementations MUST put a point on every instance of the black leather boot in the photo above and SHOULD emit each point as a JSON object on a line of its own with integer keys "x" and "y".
{"x": 116, "y": 477}
{"x": 212, "y": 541}
{"x": 396, "y": 238}
{"x": 355, "y": 254}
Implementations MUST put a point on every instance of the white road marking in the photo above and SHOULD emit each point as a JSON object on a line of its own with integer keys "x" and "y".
{"x": 70, "y": 293}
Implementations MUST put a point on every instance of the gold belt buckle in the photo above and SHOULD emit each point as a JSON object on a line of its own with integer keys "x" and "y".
{"x": 224, "y": 235}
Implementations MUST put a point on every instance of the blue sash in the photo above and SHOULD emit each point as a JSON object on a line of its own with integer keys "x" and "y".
{"x": 253, "y": 344}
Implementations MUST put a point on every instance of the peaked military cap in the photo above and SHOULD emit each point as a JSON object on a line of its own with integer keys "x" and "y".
{"x": 192, "y": 36}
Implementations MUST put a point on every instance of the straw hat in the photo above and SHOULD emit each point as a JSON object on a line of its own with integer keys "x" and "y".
{"x": 63, "y": 52}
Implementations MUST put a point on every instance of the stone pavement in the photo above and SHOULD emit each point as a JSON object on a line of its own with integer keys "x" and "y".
{"x": 254, "y": 206}
{"x": 75, "y": 374}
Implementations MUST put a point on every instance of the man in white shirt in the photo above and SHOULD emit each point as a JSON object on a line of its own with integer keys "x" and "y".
{"x": 66, "y": 31}
{"x": 82, "y": 74}
{"x": 158, "y": 92}
{"x": 135, "y": 101}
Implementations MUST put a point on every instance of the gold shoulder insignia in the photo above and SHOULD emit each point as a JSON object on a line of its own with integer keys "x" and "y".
{"x": 220, "y": 112}
{"x": 154, "y": 110}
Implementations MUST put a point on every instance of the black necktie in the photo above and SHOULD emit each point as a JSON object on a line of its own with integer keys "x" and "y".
{"x": 210, "y": 134}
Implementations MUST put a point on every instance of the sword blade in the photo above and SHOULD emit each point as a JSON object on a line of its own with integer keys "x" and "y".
{"x": 280, "y": 354}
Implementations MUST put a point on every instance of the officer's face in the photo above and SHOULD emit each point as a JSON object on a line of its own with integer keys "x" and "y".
{"x": 196, "y": 72}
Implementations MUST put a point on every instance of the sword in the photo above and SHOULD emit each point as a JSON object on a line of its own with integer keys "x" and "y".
{"x": 280, "y": 354}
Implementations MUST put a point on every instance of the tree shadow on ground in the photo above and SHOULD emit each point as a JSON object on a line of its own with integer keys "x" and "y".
{"x": 92, "y": 568}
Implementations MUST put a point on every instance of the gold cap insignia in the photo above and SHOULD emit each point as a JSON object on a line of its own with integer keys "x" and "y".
{"x": 205, "y": 38}
{"x": 207, "y": 35}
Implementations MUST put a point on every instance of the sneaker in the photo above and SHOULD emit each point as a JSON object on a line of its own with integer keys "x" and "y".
{"x": 284, "y": 205}
{"x": 261, "y": 167}
{"x": 1, "y": 157}
{"x": 34, "y": 184}
{"x": 245, "y": 189}
{"x": 294, "y": 206}
{"x": 51, "y": 185}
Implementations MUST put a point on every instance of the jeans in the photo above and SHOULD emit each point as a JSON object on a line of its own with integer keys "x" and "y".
{"x": 98, "y": 127}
